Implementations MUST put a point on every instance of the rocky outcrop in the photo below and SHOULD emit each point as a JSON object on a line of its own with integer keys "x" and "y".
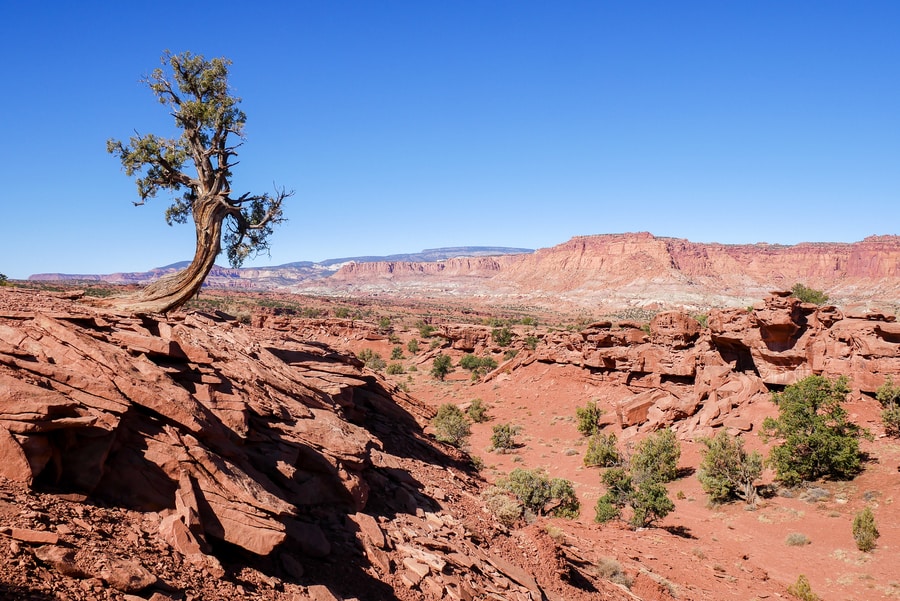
{"x": 695, "y": 379}
{"x": 223, "y": 442}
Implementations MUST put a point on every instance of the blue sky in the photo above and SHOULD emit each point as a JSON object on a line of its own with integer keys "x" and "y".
{"x": 404, "y": 125}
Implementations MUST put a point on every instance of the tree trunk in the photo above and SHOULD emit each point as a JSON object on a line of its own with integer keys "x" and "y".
{"x": 172, "y": 291}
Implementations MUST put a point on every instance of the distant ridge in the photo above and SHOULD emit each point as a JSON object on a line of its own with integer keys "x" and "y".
{"x": 288, "y": 273}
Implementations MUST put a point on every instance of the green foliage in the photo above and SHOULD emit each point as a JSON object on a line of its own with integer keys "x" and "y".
{"x": 3, "y": 279}
{"x": 649, "y": 502}
{"x": 342, "y": 312}
{"x": 372, "y": 359}
{"x": 802, "y": 590}
{"x": 413, "y": 346}
{"x": 425, "y": 330}
{"x": 450, "y": 425}
{"x": 656, "y": 457}
{"x": 510, "y": 354}
{"x": 502, "y": 336}
{"x": 818, "y": 437}
{"x": 477, "y": 411}
{"x": 808, "y": 295}
{"x": 394, "y": 368}
{"x": 197, "y": 164}
{"x": 538, "y": 493}
{"x": 531, "y": 341}
{"x": 441, "y": 366}
{"x": 477, "y": 365}
{"x": 642, "y": 487}
{"x": 703, "y": 318}
{"x": 889, "y": 396}
{"x": 588, "y": 418}
{"x": 602, "y": 451}
{"x": 727, "y": 471}
{"x": 384, "y": 325}
{"x": 396, "y": 353}
{"x": 503, "y": 438}
{"x": 864, "y": 530}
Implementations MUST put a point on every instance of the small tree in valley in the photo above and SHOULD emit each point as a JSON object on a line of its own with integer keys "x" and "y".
{"x": 451, "y": 425}
{"x": 441, "y": 366}
{"x": 889, "y": 396}
{"x": 818, "y": 438}
{"x": 864, "y": 530}
{"x": 727, "y": 471}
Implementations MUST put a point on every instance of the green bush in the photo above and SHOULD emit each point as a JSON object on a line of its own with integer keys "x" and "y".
{"x": 531, "y": 341}
{"x": 425, "y": 330}
{"x": 342, "y": 312}
{"x": 656, "y": 457}
{"x": 502, "y": 336}
{"x": 889, "y": 397}
{"x": 394, "y": 368}
{"x": 818, "y": 437}
{"x": 864, "y": 530}
{"x": 3, "y": 279}
{"x": 396, "y": 353}
{"x": 413, "y": 346}
{"x": 477, "y": 365}
{"x": 477, "y": 411}
{"x": 802, "y": 590}
{"x": 602, "y": 451}
{"x": 450, "y": 425}
{"x": 503, "y": 438}
{"x": 808, "y": 295}
{"x": 539, "y": 494}
{"x": 648, "y": 499}
{"x": 372, "y": 359}
{"x": 510, "y": 354}
{"x": 441, "y": 366}
{"x": 502, "y": 505}
{"x": 588, "y": 418}
{"x": 727, "y": 471}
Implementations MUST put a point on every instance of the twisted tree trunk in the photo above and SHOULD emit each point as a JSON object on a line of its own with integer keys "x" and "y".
{"x": 172, "y": 291}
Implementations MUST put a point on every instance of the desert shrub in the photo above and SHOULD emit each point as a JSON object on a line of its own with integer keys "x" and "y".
{"x": 610, "y": 569}
{"x": 656, "y": 457}
{"x": 818, "y": 437}
{"x": 441, "y": 366}
{"x": 396, "y": 353}
{"x": 394, "y": 369}
{"x": 531, "y": 341}
{"x": 606, "y": 510}
{"x": 602, "y": 451}
{"x": 808, "y": 295}
{"x": 703, "y": 319}
{"x": 425, "y": 330}
{"x": 502, "y": 505}
{"x": 649, "y": 502}
{"x": 502, "y": 336}
{"x": 342, "y": 312}
{"x": 510, "y": 354}
{"x": 727, "y": 471}
{"x": 588, "y": 418}
{"x": 503, "y": 438}
{"x": 3, "y": 279}
{"x": 477, "y": 411}
{"x": 372, "y": 359}
{"x": 435, "y": 343}
{"x": 802, "y": 590}
{"x": 889, "y": 397}
{"x": 477, "y": 365}
{"x": 796, "y": 539}
{"x": 451, "y": 425}
{"x": 413, "y": 346}
{"x": 864, "y": 530}
{"x": 536, "y": 491}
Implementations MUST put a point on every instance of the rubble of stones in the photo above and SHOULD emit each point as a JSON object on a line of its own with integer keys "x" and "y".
{"x": 194, "y": 457}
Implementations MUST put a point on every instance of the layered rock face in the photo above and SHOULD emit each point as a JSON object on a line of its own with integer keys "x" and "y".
{"x": 624, "y": 270}
{"x": 679, "y": 374}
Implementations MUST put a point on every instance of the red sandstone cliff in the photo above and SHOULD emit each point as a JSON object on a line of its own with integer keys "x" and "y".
{"x": 620, "y": 270}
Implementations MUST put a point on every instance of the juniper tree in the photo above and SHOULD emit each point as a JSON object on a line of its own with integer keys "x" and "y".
{"x": 195, "y": 167}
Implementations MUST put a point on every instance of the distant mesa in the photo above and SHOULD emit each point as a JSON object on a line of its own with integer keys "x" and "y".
{"x": 600, "y": 272}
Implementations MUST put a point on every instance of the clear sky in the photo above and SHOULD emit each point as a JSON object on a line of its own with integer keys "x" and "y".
{"x": 404, "y": 125}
